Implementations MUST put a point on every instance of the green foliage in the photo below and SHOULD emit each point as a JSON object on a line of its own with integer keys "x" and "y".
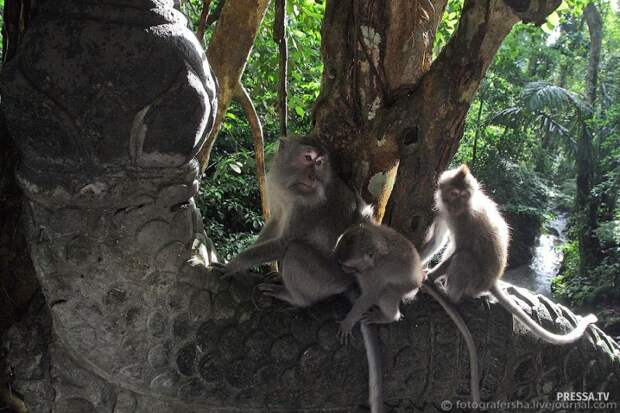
{"x": 228, "y": 202}
{"x": 515, "y": 187}
{"x": 229, "y": 197}
{"x": 570, "y": 286}
{"x": 591, "y": 290}
{"x": 448, "y": 24}
{"x": 519, "y": 134}
{"x": 553, "y": 111}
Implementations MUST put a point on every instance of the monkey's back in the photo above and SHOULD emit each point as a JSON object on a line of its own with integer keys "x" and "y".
{"x": 483, "y": 233}
{"x": 402, "y": 263}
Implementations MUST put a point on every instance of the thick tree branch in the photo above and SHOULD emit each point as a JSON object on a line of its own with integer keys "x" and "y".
{"x": 428, "y": 122}
{"x": 371, "y": 51}
{"x": 228, "y": 54}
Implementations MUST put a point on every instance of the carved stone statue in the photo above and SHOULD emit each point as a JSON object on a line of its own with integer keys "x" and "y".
{"x": 109, "y": 103}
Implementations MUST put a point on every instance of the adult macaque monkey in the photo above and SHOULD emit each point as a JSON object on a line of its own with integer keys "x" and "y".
{"x": 388, "y": 270}
{"x": 477, "y": 248}
{"x": 310, "y": 208}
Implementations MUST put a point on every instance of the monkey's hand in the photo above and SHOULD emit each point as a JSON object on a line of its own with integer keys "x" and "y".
{"x": 228, "y": 270}
{"x": 425, "y": 274}
{"x": 345, "y": 331}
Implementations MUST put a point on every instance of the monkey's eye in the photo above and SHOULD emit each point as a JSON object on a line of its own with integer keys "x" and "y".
{"x": 308, "y": 158}
{"x": 319, "y": 162}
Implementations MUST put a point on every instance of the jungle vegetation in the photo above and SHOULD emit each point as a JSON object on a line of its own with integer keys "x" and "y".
{"x": 542, "y": 131}
{"x": 523, "y": 135}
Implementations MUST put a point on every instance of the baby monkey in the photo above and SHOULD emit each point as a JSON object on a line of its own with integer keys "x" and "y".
{"x": 477, "y": 238}
{"x": 388, "y": 270}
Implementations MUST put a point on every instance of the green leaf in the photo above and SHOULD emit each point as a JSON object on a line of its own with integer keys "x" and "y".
{"x": 300, "y": 111}
{"x": 553, "y": 19}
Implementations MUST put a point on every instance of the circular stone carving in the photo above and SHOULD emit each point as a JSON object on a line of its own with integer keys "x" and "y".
{"x": 125, "y": 403}
{"x": 193, "y": 389}
{"x": 74, "y": 405}
{"x": 285, "y": 349}
{"x": 210, "y": 370}
{"x": 313, "y": 360}
{"x": 166, "y": 383}
{"x": 157, "y": 324}
{"x": 159, "y": 355}
{"x": 186, "y": 358}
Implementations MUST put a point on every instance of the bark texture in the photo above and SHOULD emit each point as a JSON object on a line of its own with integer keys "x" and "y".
{"x": 395, "y": 106}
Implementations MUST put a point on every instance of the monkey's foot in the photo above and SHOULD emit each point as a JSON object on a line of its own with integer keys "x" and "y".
{"x": 345, "y": 332}
{"x": 276, "y": 291}
{"x": 273, "y": 277}
{"x": 440, "y": 283}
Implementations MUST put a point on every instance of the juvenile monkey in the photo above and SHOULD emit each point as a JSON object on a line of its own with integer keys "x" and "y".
{"x": 387, "y": 268}
{"x": 477, "y": 250}
{"x": 310, "y": 208}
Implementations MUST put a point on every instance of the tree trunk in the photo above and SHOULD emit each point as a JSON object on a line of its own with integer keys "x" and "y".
{"x": 586, "y": 205}
{"x": 385, "y": 104}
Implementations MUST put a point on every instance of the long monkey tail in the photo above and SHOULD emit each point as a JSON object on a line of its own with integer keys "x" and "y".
{"x": 539, "y": 331}
{"x": 375, "y": 367}
{"x": 430, "y": 289}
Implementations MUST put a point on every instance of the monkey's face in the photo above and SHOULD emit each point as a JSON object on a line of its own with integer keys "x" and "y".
{"x": 455, "y": 199}
{"x": 455, "y": 189}
{"x": 310, "y": 172}
{"x": 354, "y": 251}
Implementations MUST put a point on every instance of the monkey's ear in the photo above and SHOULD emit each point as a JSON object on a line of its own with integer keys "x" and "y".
{"x": 461, "y": 173}
{"x": 283, "y": 142}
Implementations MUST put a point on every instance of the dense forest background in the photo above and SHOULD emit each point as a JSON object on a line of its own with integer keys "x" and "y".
{"x": 537, "y": 126}
{"x": 522, "y": 138}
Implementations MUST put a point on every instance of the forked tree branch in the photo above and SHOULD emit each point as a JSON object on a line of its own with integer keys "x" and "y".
{"x": 228, "y": 53}
{"x": 245, "y": 101}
